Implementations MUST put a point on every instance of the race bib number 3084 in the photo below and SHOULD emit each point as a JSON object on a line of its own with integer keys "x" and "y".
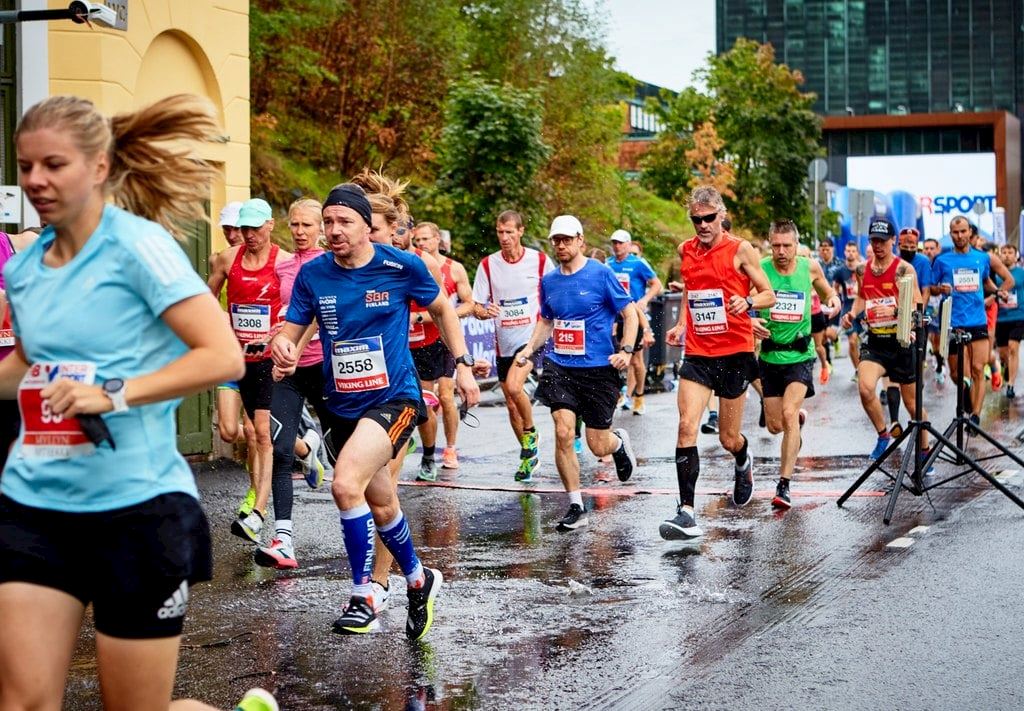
{"x": 47, "y": 434}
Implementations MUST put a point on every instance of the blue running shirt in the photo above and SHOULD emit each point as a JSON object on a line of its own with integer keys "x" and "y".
{"x": 98, "y": 317}
{"x": 966, "y": 273}
{"x": 363, "y": 315}
{"x": 1013, "y": 308}
{"x": 633, "y": 274}
{"x": 583, "y": 306}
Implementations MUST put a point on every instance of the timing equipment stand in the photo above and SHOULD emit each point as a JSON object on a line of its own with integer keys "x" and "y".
{"x": 912, "y": 463}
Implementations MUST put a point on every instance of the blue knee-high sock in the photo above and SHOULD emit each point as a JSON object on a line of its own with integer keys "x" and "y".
{"x": 398, "y": 539}
{"x": 358, "y": 531}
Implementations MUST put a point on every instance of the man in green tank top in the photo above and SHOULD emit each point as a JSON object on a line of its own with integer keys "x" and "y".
{"x": 787, "y": 349}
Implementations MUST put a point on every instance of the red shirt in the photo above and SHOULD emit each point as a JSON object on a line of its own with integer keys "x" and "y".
{"x": 254, "y": 301}
{"x": 880, "y": 298}
{"x": 711, "y": 279}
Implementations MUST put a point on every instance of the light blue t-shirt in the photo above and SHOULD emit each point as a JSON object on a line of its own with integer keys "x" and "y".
{"x": 103, "y": 307}
{"x": 633, "y": 271}
{"x": 1008, "y": 311}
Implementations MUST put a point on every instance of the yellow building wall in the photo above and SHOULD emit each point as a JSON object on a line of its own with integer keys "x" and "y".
{"x": 170, "y": 47}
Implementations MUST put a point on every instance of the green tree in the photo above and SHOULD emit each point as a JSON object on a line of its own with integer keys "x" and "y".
{"x": 767, "y": 128}
{"x": 491, "y": 150}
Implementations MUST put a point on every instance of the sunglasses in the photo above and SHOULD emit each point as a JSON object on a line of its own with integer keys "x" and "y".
{"x": 706, "y": 219}
{"x": 466, "y": 417}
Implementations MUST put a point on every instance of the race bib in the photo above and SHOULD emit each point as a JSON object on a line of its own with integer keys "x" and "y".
{"x": 514, "y": 312}
{"x": 966, "y": 279}
{"x": 570, "y": 337}
{"x": 623, "y": 280}
{"x": 1010, "y": 303}
{"x": 881, "y": 312}
{"x": 789, "y": 306}
{"x": 707, "y": 311}
{"x": 359, "y": 365}
{"x": 250, "y": 322}
{"x": 417, "y": 333}
{"x": 46, "y": 434}
{"x": 6, "y": 338}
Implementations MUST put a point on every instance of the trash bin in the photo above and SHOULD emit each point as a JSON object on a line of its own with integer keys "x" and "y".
{"x": 663, "y": 359}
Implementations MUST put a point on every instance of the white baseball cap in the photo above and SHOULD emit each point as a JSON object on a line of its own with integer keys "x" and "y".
{"x": 565, "y": 225}
{"x": 621, "y": 236}
{"x": 229, "y": 214}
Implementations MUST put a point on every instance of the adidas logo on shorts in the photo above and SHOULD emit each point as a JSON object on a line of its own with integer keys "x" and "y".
{"x": 176, "y": 604}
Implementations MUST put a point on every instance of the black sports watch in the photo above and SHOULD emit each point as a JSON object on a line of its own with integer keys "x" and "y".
{"x": 465, "y": 359}
{"x": 750, "y": 302}
{"x": 115, "y": 390}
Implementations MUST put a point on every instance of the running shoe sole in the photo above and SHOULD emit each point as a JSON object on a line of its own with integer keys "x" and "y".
{"x": 582, "y": 521}
{"x": 244, "y": 532}
{"x": 672, "y": 532}
{"x": 315, "y": 474}
{"x": 435, "y": 588}
{"x": 627, "y": 447}
{"x": 780, "y": 503}
{"x": 263, "y": 557}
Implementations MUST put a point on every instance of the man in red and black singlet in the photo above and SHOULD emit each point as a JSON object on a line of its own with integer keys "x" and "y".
{"x": 435, "y": 364}
{"x": 723, "y": 280}
{"x": 880, "y": 353}
{"x": 254, "y": 307}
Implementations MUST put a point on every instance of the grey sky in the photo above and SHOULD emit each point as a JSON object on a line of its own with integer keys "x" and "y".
{"x": 660, "y": 41}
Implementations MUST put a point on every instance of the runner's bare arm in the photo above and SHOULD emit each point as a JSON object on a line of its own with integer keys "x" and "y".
{"x": 672, "y": 335}
{"x": 435, "y": 271}
{"x": 763, "y": 296}
{"x": 826, "y": 293}
{"x": 541, "y": 333}
{"x": 213, "y": 357}
{"x": 1000, "y": 269}
{"x": 219, "y": 266}
{"x": 450, "y": 328}
{"x": 653, "y": 289}
{"x": 467, "y": 306}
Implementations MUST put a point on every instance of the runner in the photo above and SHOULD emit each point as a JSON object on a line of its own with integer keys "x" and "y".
{"x": 1010, "y": 325}
{"x": 578, "y": 305}
{"x": 961, "y": 274}
{"x": 455, "y": 282}
{"x": 881, "y": 354}
{"x": 507, "y": 288}
{"x": 254, "y": 306}
{"x": 719, "y": 273}
{"x": 291, "y": 392}
{"x": 359, "y": 295}
{"x": 642, "y": 284}
{"x": 931, "y": 250}
{"x": 787, "y": 351}
{"x": 830, "y": 264}
{"x": 845, "y": 283}
{"x": 163, "y": 337}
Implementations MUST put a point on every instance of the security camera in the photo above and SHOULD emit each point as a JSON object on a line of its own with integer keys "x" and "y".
{"x": 97, "y": 12}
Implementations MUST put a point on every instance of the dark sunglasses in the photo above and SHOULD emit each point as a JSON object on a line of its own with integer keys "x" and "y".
{"x": 466, "y": 417}
{"x": 707, "y": 219}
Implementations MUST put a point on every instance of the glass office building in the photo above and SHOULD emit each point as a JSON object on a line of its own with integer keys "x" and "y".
{"x": 891, "y": 56}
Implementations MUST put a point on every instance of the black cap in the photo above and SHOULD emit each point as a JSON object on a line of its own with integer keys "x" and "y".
{"x": 881, "y": 228}
{"x": 353, "y": 196}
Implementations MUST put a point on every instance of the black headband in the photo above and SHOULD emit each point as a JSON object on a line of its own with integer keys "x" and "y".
{"x": 352, "y": 196}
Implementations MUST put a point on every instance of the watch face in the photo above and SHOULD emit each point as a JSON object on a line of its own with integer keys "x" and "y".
{"x": 113, "y": 385}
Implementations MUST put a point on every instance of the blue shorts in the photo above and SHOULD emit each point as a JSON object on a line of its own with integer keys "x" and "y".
{"x": 230, "y": 385}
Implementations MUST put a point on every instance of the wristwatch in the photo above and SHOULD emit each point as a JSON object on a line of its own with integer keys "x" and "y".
{"x": 465, "y": 359}
{"x": 115, "y": 390}
{"x": 628, "y": 348}
{"x": 750, "y": 302}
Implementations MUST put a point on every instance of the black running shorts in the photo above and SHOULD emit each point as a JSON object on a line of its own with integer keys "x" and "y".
{"x": 818, "y": 322}
{"x": 591, "y": 393}
{"x": 974, "y": 333}
{"x": 728, "y": 375}
{"x": 257, "y": 386}
{"x": 135, "y": 565}
{"x": 1007, "y": 331}
{"x": 899, "y": 362}
{"x": 776, "y": 378}
{"x": 397, "y": 417}
{"x": 506, "y": 363}
{"x": 434, "y": 361}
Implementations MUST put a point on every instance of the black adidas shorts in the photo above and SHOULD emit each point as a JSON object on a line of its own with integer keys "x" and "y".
{"x": 397, "y": 417}
{"x": 135, "y": 565}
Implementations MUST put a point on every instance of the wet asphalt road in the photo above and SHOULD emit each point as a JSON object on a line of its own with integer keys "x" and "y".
{"x": 807, "y": 609}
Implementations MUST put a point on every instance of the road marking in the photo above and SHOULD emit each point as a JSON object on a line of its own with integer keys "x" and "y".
{"x": 917, "y": 529}
{"x": 901, "y": 542}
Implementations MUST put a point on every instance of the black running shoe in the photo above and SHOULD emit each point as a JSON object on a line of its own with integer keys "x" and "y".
{"x": 625, "y": 459}
{"x": 711, "y": 426}
{"x": 743, "y": 488}
{"x": 575, "y": 517}
{"x": 976, "y": 421}
{"x": 760, "y": 418}
{"x": 421, "y": 604}
{"x": 782, "y": 500}
{"x": 681, "y": 527}
{"x": 359, "y": 618}
{"x": 1010, "y": 393}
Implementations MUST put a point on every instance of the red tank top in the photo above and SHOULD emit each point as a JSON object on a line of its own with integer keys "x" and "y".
{"x": 425, "y": 334}
{"x": 254, "y": 301}
{"x": 711, "y": 279}
{"x": 880, "y": 297}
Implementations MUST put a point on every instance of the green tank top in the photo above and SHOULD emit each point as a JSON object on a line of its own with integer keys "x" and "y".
{"x": 790, "y": 318}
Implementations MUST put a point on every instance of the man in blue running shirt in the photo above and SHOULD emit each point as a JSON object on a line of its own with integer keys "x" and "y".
{"x": 578, "y": 305}
{"x": 359, "y": 294}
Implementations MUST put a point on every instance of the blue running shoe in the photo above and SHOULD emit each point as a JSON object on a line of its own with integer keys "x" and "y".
{"x": 881, "y": 445}
{"x": 577, "y": 445}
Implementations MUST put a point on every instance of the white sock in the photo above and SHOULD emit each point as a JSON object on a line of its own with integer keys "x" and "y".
{"x": 575, "y": 497}
{"x": 283, "y": 531}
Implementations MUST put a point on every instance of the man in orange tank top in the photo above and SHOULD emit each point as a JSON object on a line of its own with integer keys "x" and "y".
{"x": 723, "y": 280}
{"x": 880, "y": 353}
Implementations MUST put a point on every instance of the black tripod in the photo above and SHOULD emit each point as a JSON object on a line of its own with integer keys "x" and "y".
{"x": 912, "y": 461}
